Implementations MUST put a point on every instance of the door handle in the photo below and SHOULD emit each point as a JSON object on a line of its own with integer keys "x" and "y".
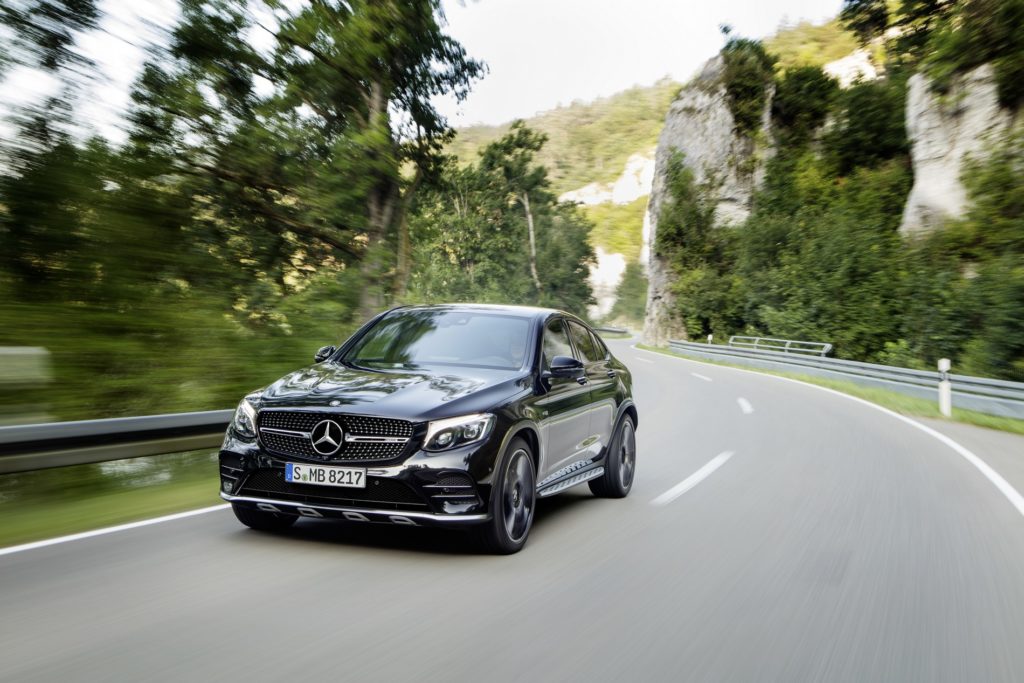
{"x": 581, "y": 380}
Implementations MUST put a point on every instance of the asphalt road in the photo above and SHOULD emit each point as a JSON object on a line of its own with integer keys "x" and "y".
{"x": 835, "y": 543}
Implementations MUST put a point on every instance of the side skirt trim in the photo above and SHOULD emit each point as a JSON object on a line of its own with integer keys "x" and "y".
{"x": 573, "y": 480}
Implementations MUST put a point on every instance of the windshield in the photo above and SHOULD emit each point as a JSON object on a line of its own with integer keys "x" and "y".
{"x": 414, "y": 338}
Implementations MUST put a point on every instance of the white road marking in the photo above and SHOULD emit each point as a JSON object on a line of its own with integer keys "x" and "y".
{"x": 1011, "y": 494}
{"x": 110, "y": 530}
{"x": 700, "y": 376}
{"x": 692, "y": 480}
{"x": 745, "y": 405}
{"x": 644, "y": 360}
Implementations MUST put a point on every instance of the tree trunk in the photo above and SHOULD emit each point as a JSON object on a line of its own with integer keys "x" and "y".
{"x": 379, "y": 208}
{"x": 525, "y": 199}
{"x": 404, "y": 263}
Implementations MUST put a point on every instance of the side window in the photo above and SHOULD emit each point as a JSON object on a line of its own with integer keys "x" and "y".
{"x": 581, "y": 338}
{"x": 556, "y": 342}
{"x": 602, "y": 350}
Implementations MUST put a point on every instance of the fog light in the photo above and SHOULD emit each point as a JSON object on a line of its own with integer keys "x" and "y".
{"x": 227, "y": 486}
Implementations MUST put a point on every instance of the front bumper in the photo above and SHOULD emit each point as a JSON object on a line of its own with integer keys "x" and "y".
{"x": 355, "y": 514}
{"x": 442, "y": 489}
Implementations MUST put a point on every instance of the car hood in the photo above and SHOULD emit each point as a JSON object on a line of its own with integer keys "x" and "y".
{"x": 407, "y": 394}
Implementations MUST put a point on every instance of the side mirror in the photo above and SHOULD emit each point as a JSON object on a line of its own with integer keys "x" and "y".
{"x": 564, "y": 366}
{"x": 323, "y": 353}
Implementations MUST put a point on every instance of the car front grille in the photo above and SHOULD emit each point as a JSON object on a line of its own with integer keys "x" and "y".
{"x": 286, "y": 433}
{"x": 380, "y": 492}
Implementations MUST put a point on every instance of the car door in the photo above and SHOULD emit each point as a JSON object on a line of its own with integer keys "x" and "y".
{"x": 602, "y": 383}
{"x": 564, "y": 408}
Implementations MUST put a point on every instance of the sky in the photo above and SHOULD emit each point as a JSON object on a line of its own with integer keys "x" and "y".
{"x": 540, "y": 53}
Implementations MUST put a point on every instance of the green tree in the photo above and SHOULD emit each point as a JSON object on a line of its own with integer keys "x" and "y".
{"x": 334, "y": 144}
{"x": 630, "y": 296}
{"x": 803, "y": 97}
{"x": 868, "y": 19}
{"x": 748, "y": 72}
{"x": 473, "y": 232}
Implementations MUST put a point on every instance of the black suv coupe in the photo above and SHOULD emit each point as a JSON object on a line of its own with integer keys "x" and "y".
{"x": 446, "y": 415}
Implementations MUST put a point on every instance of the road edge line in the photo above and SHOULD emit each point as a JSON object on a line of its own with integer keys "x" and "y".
{"x": 706, "y": 470}
{"x": 1005, "y": 487}
{"x": 109, "y": 530}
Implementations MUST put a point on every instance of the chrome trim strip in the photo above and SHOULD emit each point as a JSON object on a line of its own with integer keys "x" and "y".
{"x": 286, "y": 432}
{"x": 425, "y": 516}
{"x": 569, "y": 483}
{"x": 355, "y": 438}
{"x": 349, "y": 438}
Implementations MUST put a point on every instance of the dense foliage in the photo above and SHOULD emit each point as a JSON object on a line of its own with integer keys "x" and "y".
{"x": 587, "y": 141}
{"x": 748, "y": 72}
{"x": 469, "y": 230}
{"x": 618, "y": 228}
{"x": 266, "y": 201}
{"x": 947, "y": 37}
{"x": 807, "y": 44}
{"x": 630, "y": 298}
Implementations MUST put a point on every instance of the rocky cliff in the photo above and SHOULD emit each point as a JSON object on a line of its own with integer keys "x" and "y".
{"x": 945, "y": 129}
{"x": 700, "y": 126}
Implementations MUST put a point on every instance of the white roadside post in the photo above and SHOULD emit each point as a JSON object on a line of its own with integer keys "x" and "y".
{"x": 945, "y": 389}
{"x": 709, "y": 338}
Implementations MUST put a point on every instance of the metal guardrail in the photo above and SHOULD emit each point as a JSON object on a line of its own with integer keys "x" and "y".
{"x": 784, "y": 345}
{"x": 41, "y": 446}
{"x": 991, "y": 396}
{"x": 612, "y": 330}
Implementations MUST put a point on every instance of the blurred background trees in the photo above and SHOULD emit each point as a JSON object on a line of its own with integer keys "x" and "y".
{"x": 266, "y": 200}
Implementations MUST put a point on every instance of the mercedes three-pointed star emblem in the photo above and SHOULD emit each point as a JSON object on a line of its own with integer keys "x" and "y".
{"x": 326, "y": 437}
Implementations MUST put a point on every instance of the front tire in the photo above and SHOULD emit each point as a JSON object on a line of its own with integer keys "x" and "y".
{"x": 261, "y": 520}
{"x": 619, "y": 464}
{"x": 513, "y": 501}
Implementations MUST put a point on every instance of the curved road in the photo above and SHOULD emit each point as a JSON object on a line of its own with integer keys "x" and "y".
{"x": 775, "y": 532}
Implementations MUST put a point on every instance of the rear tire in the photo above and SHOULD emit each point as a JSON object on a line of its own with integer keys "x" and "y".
{"x": 619, "y": 464}
{"x": 513, "y": 501}
{"x": 261, "y": 520}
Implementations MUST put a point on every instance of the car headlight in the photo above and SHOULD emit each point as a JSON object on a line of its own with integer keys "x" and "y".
{"x": 443, "y": 435}
{"x": 244, "y": 421}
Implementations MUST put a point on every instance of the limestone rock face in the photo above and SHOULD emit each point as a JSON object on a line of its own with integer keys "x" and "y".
{"x": 700, "y": 126}
{"x": 635, "y": 182}
{"x": 605, "y": 277}
{"x": 856, "y": 66}
{"x": 944, "y": 130}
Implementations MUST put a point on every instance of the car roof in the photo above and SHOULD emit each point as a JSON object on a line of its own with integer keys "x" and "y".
{"x": 532, "y": 311}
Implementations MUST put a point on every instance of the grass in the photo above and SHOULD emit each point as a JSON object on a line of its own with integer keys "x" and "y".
{"x": 66, "y": 500}
{"x": 900, "y": 403}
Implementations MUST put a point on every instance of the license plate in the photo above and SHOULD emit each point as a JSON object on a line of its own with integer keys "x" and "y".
{"x": 349, "y": 477}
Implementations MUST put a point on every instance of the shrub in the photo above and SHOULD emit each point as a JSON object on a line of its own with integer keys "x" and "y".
{"x": 748, "y": 73}
{"x": 802, "y": 99}
{"x": 869, "y": 125}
